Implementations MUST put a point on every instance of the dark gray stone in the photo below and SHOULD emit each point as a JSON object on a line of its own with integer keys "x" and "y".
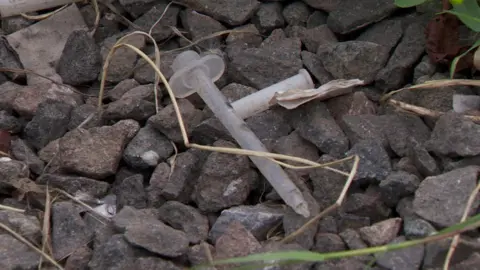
{"x": 69, "y": 230}
{"x": 81, "y": 113}
{"x": 404, "y": 131}
{"x": 423, "y": 161}
{"x": 454, "y": 135}
{"x": 158, "y": 238}
{"x": 278, "y": 58}
{"x": 49, "y": 123}
{"x": 296, "y": 13}
{"x": 10, "y": 59}
{"x": 162, "y": 29}
{"x": 317, "y": 18}
{"x": 81, "y": 60}
{"x": 365, "y": 205}
{"x": 130, "y": 191}
{"x": 185, "y": 218}
{"x": 128, "y": 216}
{"x": 312, "y": 37}
{"x": 22, "y": 152}
{"x": 414, "y": 228}
{"x": 351, "y": 15}
{"x": 269, "y": 17}
{"x": 147, "y": 148}
{"x": 402, "y": 259}
{"x": 382, "y": 232}
{"x": 26, "y": 225}
{"x": 144, "y": 73}
{"x": 166, "y": 120}
{"x": 258, "y": 219}
{"x": 374, "y": 162}
{"x": 397, "y": 185}
{"x": 14, "y": 254}
{"x": 137, "y": 7}
{"x": 386, "y": 33}
{"x": 353, "y": 59}
{"x": 120, "y": 89}
{"x": 155, "y": 263}
{"x": 401, "y": 63}
{"x": 129, "y": 108}
{"x": 314, "y": 65}
{"x": 231, "y": 12}
{"x": 115, "y": 253}
{"x": 325, "y": 5}
{"x": 328, "y": 242}
{"x": 269, "y": 126}
{"x": 199, "y": 26}
{"x": 10, "y": 123}
{"x": 441, "y": 199}
{"x": 73, "y": 184}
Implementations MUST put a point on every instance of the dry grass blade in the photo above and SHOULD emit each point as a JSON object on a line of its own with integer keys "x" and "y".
{"x": 426, "y": 112}
{"x": 43, "y": 16}
{"x": 46, "y": 226}
{"x": 97, "y": 17}
{"x": 26, "y": 242}
{"x": 453, "y": 245}
{"x": 9, "y": 208}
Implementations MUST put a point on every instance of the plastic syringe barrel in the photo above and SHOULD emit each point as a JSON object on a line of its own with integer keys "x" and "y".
{"x": 260, "y": 100}
{"x": 239, "y": 130}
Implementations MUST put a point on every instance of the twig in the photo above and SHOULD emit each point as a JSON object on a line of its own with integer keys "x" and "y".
{"x": 426, "y": 112}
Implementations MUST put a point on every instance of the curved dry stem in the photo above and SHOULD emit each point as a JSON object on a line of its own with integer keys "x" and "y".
{"x": 453, "y": 245}
{"x": 97, "y": 17}
{"x": 43, "y": 16}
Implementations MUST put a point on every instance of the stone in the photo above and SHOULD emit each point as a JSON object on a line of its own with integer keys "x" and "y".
{"x": 129, "y": 108}
{"x": 144, "y": 73}
{"x": 210, "y": 131}
{"x": 15, "y": 254}
{"x": 21, "y": 151}
{"x": 382, "y": 232}
{"x": 129, "y": 215}
{"x": 441, "y": 199}
{"x": 163, "y": 28}
{"x": 120, "y": 89}
{"x": 9, "y": 59}
{"x": 327, "y": 185}
{"x": 95, "y": 152}
{"x": 81, "y": 113}
{"x": 353, "y": 59}
{"x": 115, "y": 253}
{"x": 269, "y": 17}
{"x": 415, "y": 228}
{"x": 401, "y": 63}
{"x": 405, "y": 207}
{"x": 158, "y": 238}
{"x": 225, "y": 181}
{"x": 26, "y": 225}
{"x": 423, "y": 160}
{"x": 136, "y": 7}
{"x": 233, "y": 13}
{"x": 365, "y": 205}
{"x": 275, "y": 246}
{"x": 81, "y": 61}
{"x": 327, "y": 224}
{"x": 49, "y": 123}
{"x": 178, "y": 183}
{"x": 294, "y": 145}
{"x": 313, "y": 64}
{"x": 328, "y": 242}
{"x": 374, "y": 162}
{"x": 147, "y": 148}
{"x": 29, "y": 98}
{"x": 123, "y": 60}
{"x": 345, "y": 263}
{"x": 10, "y": 123}
{"x": 197, "y": 254}
{"x": 155, "y": 263}
{"x": 324, "y": 5}
{"x": 267, "y": 65}
{"x": 454, "y": 136}
{"x": 257, "y": 219}
{"x": 352, "y": 239}
{"x": 356, "y": 103}
{"x": 397, "y": 185}
{"x": 269, "y": 126}
{"x": 130, "y": 191}
{"x": 166, "y": 120}
{"x": 405, "y": 131}
{"x": 296, "y": 13}
{"x": 406, "y": 258}
{"x": 236, "y": 241}
{"x": 73, "y": 184}
{"x": 69, "y": 230}
{"x": 387, "y": 33}
{"x": 200, "y": 25}
{"x": 185, "y": 218}
{"x": 14, "y": 24}
{"x": 145, "y": 91}
{"x": 317, "y": 18}
{"x": 351, "y": 15}
{"x": 313, "y": 37}
{"x": 79, "y": 258}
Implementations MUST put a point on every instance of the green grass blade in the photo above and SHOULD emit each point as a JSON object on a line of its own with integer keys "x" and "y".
{"x": 408, "y": 3}
{"x": 455, "y": 60}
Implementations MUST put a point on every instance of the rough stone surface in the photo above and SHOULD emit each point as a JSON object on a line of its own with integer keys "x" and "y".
{"x": 115, "y": 253}
{"x": 381, "y": 233}
{"x": 441, "y": 199}
{"x": 353, "y": 59}
{"x": 408, "y": 258}
{"x": 397, "y": 185}
{"x": 374, "y": 161}
{"x": 81, "y": 60}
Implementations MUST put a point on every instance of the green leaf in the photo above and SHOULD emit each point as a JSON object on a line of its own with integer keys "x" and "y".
{"x": 468, "y": 12}
{"x": 408, "y": 3}
{"x": 453, "y": 66}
